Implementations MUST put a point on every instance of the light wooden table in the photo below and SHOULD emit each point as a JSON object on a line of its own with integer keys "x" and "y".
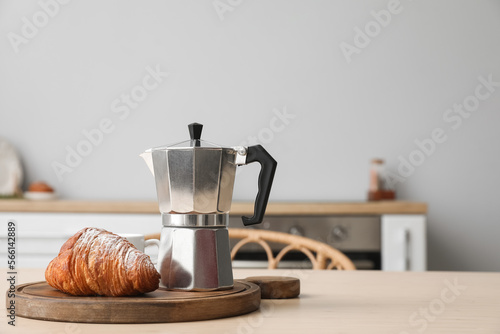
{"x": 237, "y": 208}
{"x": 333, "y": 302}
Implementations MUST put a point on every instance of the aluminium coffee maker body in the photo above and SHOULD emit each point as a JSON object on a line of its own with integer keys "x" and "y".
{"x": 194, "y": 183}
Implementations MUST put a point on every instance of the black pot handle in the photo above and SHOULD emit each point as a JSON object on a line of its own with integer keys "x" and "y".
{"x": 268, "y": 165}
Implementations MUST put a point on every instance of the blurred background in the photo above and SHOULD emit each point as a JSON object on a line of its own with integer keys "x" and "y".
{"x": 325, "y": 86}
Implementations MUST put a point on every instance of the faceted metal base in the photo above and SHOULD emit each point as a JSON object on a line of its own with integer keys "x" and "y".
{"x": 195, "y": 259}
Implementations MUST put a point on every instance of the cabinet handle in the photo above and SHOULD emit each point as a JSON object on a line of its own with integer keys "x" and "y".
{"x": 407, "y": 249}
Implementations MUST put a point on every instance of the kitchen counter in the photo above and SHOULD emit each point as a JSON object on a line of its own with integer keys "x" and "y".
{"x": 50, "y": 223}
{"x": 238, "y": 208}
{"x": 332, "y": 301}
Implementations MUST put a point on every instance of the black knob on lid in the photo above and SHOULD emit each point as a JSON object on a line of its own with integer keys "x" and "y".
{"x": 195, "y": 132}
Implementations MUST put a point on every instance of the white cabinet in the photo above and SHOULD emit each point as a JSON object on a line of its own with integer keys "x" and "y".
{"x": 403, "y": 243}
{"x": 39, "y": 236}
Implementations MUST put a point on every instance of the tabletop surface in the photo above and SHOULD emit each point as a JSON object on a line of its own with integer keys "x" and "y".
{"x": 332, "y": 302}
{"x": 237, "y": 208}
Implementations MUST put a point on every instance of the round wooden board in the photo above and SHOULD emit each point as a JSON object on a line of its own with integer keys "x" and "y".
{"x": 41, "y": 301}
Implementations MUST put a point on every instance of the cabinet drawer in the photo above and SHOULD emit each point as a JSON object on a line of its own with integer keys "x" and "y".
{"x": 39, "y": 236}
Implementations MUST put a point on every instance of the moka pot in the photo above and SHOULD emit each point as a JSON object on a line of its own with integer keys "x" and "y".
{"x": 194, "y": 184}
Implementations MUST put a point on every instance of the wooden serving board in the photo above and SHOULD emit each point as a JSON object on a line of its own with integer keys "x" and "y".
{"x": 41, "y": 301}
{"x": 276, "y": 287}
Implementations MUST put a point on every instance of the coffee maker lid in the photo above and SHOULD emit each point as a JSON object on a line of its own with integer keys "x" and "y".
{"x": 190, "y": 144}
{"x": 194, "y": 142}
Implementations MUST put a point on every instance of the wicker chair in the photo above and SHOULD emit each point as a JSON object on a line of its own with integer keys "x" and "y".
{"x": 321, "y": 255}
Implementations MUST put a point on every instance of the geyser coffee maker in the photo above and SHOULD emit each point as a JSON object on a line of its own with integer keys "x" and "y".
{"x": 194, "y": 184}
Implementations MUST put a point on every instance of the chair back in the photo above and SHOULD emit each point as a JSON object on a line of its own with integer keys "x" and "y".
{"x": 321, "y": 255}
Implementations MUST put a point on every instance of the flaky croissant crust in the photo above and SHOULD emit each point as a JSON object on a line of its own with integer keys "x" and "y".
{"x": 97, "y": 262}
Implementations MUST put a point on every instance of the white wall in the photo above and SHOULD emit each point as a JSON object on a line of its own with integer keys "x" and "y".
{"x": 233, "y": 75}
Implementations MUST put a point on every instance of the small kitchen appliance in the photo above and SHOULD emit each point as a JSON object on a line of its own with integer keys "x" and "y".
{"x": 194, "y": 184}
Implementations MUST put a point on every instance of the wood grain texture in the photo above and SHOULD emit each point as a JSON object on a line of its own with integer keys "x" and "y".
{"x": 331, "y": 302}
{"x": 78, "y": 206}
{"x": 237, "y": 208}
{"x": 276, "y": 287}
{"x": 41, "y": 301}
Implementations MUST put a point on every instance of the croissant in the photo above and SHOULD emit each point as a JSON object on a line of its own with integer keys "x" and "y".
{"x": 97, "y": 262}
